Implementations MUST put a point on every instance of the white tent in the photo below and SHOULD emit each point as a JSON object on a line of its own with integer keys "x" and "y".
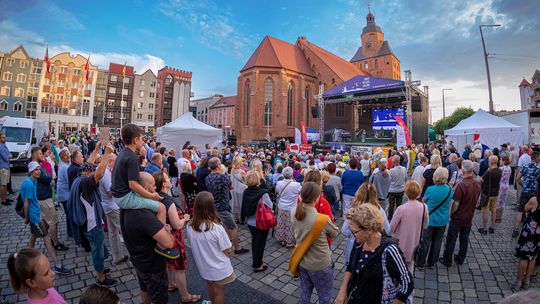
{"x": 493, "y": 131}
{"x": 187, "y": 128}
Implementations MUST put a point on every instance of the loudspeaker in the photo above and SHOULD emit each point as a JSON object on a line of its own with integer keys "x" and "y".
{"x": 416, "y": 104}
{"x": 315, "y": 112}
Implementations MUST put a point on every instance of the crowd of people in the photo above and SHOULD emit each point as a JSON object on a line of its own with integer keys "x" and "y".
{"x": 396, "y": 206}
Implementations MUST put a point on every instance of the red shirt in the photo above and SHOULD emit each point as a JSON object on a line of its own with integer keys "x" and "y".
{"x": 47, "y": 166}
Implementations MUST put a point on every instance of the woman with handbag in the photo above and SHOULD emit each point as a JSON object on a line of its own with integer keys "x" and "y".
{"x": 437, "y": 198}
{"x": 288, "y": 191}
{"x": 253, "y": 195}
{"x": 311, "y": 258}
{"x": 376, "y": 272}
{"x": 408, "y": 222}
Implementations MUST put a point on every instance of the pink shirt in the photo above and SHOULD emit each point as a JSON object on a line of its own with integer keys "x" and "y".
{"x": 406, "y": 225}
{"x": 52, "y": 298}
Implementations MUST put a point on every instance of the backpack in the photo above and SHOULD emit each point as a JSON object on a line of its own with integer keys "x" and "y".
{"x": 19, "y": 206}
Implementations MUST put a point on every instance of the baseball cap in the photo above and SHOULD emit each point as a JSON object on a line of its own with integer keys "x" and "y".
{"x": 33, "y": 166}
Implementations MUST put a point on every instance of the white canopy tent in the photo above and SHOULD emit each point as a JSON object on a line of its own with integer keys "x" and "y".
{"x": 187, "y": 128}
{"x": 493, "y": 131}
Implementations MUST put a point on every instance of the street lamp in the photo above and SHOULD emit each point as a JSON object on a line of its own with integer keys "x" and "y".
{"x": 491, "y": 110}
{"x": 443, "y": 105}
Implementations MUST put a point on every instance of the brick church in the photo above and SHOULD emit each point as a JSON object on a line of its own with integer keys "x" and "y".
{"x": 278, "y": 84}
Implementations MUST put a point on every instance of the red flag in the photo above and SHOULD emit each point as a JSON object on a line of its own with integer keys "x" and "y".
{"x": 404, "y": 126}
{"x": 87, "y": 67}
{"x": 46, "y": 59}
{"x": 303, "y": 130}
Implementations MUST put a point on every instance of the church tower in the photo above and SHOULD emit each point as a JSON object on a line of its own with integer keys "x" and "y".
{"x": 375, "y": 56}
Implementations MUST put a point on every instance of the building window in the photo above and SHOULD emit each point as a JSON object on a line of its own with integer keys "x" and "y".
{"x": 74, "y": 98}
{"x": 124, "y": 104}
{"x": 114, "y": 78}
{"x": 141, "y": 93}
{"x": 168, "y": 80}
{"x": 151, "y": 95}
{"x": 290, "y": 92}
{"x": 5, "y": 91}
{"x": 268, "y": 93}
{"x": 340, "y": 110}
{"x": 125, "y": 92}
{"x": 75, "y": 85}
{"x": 247, "y": 92}
{"x": 85, "y": 112}
{"x": 44, "y": 109}
{"x": 63, "y": 70}
{"x": 21, "y": 78}
{"x": 150, "y": 117}
{"x": 23, "y": 64}
{"x": 18, "y": 106}
{"x": 110, "y": 102}
{"x": 88, "y": 86}
{"x": 139, "y": 116}
{"x": 36, "y": 70}
{"x": 10, "y": 61}
{"x": 90, "y": 75}
{"x": 61, "y": 83}
{"x": 110, "y": 115}
{"x": 151, "y": 106}
{"x": 86, "y": 100}
{"x": 139, "y": 105}
{"x": 307, "y": 94}
{"x": 3, "y": 105}
{"x": 19, "y": 92}
{"x": 127, "y": 80}
{"x": 366, "y": 66}
{"x": 112, "y": 90}
{"x": 143, "y": 82}
{"x": 60, "y": 97}
{"x": 153, "y": 84}
{"x": 7, "y": 76}
{"x": 77, "y": 72}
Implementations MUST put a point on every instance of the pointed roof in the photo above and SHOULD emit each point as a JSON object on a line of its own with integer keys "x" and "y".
{"x": 371, "y": 26}
{"x": 358, "y": 56}
{"x": 276, "y": 53}
{"x": 385, "y": 49}
{"x": 19, "y": 52}
{"x": 228, "y": 101}
{"x": 341, "y": 67}
{"x": 524, "y": 83}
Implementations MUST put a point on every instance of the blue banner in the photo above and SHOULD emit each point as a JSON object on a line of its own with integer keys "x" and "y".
{"x": 363, "y": 84}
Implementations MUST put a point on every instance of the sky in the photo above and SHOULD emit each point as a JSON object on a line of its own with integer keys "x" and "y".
{"x": 438, "y": 40}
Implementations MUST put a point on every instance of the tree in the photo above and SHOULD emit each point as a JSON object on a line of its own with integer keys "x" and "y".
{"x": 451, "y": 121}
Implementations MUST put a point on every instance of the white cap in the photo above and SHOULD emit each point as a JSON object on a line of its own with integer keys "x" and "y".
{"x": 33, "y": 166}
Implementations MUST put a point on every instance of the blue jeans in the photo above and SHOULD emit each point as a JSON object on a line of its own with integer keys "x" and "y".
{"x": 96, "y": 237}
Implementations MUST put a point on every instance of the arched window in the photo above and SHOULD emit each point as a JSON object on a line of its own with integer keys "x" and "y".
{"x": 308, "y": 108}
{"x": 247, "y": 96}
{"x": 290, "y": 97}
{"x": 3, "y": 105}
{"x": 18, "y": 106}
{"x": 268, "y": 93}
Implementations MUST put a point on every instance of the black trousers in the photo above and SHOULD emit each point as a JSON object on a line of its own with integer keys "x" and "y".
{"x": 431, "y": 245}
{"x": 512, "y": 175}
{"x": 454, "y": 231}
{"x": 394, "y": 201}
{"x": 258, "y": 242}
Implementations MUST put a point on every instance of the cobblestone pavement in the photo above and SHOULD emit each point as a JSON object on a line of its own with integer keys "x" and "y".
{"x": 485, "y": 276}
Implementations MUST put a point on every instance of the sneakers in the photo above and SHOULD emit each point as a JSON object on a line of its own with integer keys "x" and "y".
{"x": 61, "y": 270}
{"x": 516, "y": 286}
{"x": 515, "y": 233}
{"x": 60, "y": 247}
{"x": 169, "y": 253}
{"x": 482, "y": 231}
{"x": 241, "y": 251}
{"x": 491, "y": 230}
{"x": 106, "y": 283}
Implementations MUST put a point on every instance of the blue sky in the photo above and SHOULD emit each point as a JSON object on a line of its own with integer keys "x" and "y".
{"x": 438, "y": 40}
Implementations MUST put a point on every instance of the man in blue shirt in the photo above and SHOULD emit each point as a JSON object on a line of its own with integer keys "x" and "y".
{"x": 484, "y": 163}
{"x": 4, "y": 170}
{"x": 155, "y": 165}
{"x": 32, "y": 216}
{"x": 351, "y": 181}
{"x": 62, "y": 185}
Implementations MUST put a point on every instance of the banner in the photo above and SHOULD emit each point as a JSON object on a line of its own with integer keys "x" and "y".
{"x": 402, "y": 124}
{"x": 361, "y": 150}
{"x": 303, "y": 129}
{"x": 384, "y": 118}
{"x": 293, "y": 148}
{"x": 297, "y": 136}
{"x": 305, "y": 148}
{"x": 400, "y": 137}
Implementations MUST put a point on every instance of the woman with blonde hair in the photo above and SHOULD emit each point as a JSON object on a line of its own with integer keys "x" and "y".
{"x": 408, "y": 221}
{"x": 366, "y": 194}
{"x": 312, "y": 261}
{"x": 434, "y": 163}
{"x": 257, "y": 166}
{"x": 376, "y": 272}
{"x": 238, "y": 187}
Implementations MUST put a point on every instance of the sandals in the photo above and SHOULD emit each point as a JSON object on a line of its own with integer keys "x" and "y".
{"x": 263, "y": 268}
{"x": 172, "y": 288}
{"x": 192, "y": 299}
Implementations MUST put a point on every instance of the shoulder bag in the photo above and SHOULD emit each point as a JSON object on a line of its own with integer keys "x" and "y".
{"x": 441, "y": 203}
{"x": 484, "y": 198}
{"x": 264, "y": 218}
{"x": 418, "y": 250}
{"x": 301, "y": 249}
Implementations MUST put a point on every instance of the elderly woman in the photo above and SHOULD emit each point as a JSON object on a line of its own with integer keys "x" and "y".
{"x": 238, "y": 186}
{"x": 407, "y": 222}
{"x": 376, "y": 272}
{"x": 437, "y": 198}
{"x": 434, "y": 163}
{"x": 188, "y": 183}
{"x": 287, "y": 191}
{"x": 250, "y": 199}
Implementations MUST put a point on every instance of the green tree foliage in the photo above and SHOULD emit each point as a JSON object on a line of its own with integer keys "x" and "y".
{"x": 451, "y": 121}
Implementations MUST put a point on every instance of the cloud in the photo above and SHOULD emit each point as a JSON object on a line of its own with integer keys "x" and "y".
{"x": 211, "y": 23}
{"x": 11, "y": 36}
{"x": 10, "y": 7}
{"x": 59, "y": 14}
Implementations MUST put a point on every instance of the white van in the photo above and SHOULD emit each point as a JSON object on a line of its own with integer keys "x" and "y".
{"x": 22, "y": 134}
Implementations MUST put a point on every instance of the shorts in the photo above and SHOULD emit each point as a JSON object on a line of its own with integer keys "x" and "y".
{"x": 227, "y": 219}
{"x": 491, "y": 204}
{"x": 523, "y": 199}
{"x": 48, "y": 212}
{"x": 155, "y": 284}
{"x": 4, "y": 177}
{"x": 38, "y": 230}
{"x": 225, "y": 281}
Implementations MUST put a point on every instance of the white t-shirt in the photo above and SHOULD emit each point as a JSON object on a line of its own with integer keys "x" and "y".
{"x": 207, "y": 248}
{"x": 418, "y": 174}
{"x": 364, "y": 167}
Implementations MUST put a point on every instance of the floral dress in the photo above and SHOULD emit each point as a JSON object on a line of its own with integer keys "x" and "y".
{"x": 529, "y": 239}
{"x": 505, "y": 180}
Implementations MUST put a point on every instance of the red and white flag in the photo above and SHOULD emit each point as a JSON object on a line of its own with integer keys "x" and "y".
{"x": 47, "y": 60}
{"x": 87, "y": 68}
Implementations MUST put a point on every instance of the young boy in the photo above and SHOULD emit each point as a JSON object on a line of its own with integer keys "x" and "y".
{"x": 125, "y": 188}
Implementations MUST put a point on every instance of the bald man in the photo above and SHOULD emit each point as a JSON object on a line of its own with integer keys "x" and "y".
{"x": 490, "y": 186}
